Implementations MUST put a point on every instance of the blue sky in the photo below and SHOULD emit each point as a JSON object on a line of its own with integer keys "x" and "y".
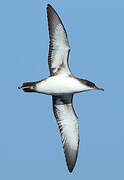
{"x": 30, "y": 146}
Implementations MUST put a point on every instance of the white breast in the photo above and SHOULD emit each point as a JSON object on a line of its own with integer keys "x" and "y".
{"x": 60, "y": 85}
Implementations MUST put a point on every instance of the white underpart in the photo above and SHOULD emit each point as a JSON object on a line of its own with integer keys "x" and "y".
{"x": 61, "y": 85}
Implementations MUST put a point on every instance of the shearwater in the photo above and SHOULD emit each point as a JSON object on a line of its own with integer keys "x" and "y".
{"x": 62, "y": 85}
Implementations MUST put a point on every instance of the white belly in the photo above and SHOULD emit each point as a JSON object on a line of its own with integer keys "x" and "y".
{"x": 57, "y": 85}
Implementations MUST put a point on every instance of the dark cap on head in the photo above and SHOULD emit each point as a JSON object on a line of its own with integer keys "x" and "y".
{"x": 90, "y": 84}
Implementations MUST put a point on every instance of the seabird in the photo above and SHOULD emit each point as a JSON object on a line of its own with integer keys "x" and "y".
{"x": 62, "y": 85}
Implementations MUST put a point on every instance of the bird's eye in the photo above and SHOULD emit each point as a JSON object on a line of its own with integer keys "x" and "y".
{"x": 90, "y": 84}
{"x": 93, "y": 85}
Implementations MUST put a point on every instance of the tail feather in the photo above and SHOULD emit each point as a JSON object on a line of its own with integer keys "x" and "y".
{"x": 28, "y": 87}
{"x": 26, "y": 84}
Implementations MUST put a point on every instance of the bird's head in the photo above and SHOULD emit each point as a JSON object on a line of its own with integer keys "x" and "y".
{"x": 92, "y": 85}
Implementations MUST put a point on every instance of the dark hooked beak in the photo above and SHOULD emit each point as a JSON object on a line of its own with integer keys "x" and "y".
{"x": 101, "y": 89}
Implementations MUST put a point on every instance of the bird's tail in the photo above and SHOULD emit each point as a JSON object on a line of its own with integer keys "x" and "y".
{"x": 28, "y": 87}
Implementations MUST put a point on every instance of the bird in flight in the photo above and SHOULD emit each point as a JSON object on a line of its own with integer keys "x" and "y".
{"x": 61, "y": 85}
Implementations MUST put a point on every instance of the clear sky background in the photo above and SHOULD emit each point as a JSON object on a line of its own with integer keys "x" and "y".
{"x": 30, "y": 145}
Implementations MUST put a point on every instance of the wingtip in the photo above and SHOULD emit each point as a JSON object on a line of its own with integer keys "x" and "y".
{"x": 49, "y": 6}
{"x": 71, "y": 160}
{"x": 70, "y": 169}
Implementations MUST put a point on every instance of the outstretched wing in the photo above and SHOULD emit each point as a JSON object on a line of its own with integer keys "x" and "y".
{"x": 68, "y": 126}
{"x": 59, "y": 46}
